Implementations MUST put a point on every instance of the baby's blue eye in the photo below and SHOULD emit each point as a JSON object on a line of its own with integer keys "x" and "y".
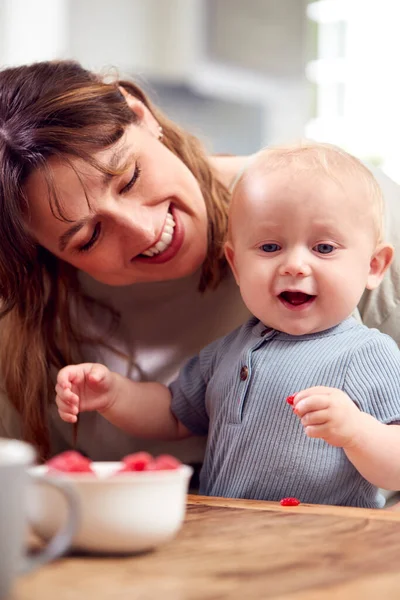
{"x": 324, "y": 248}
{"x": 270, "y": 247}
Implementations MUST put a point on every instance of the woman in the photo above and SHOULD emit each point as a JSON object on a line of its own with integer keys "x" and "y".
{"x": 111, "y": 231}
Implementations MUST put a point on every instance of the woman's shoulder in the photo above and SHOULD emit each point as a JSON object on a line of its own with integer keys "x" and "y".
{"x": 229, "y": 168}
{"x": 380, "y": 308}
{"x": 391, "y": 192}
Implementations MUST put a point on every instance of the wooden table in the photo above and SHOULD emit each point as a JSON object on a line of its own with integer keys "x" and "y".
{"x": 243, "y": 549}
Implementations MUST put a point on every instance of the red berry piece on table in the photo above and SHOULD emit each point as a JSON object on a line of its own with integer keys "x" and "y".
{"x": 290, "y": 502}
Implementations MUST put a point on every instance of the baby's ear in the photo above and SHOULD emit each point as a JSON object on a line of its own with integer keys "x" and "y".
{"x": 230, "y": 257}
{"x": 380, "y": 262}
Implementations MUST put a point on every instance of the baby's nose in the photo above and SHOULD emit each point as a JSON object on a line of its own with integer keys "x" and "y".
{"x": 295, "y": 265}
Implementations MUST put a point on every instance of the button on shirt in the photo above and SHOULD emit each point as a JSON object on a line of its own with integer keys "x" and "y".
{"x": 244, "y": 373}
{"x": 235, "y": 392}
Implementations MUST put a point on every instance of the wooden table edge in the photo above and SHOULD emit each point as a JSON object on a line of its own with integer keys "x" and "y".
{"x": 316, "y": 509}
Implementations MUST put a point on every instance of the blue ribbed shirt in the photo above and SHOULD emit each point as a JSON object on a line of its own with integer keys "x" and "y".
{"x": 234, "y": 392}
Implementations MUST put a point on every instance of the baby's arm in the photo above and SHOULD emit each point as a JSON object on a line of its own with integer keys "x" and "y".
{"x": 371, "y": 446}
{"x": 141, "y": 409}
{"x": 374, "y": 452}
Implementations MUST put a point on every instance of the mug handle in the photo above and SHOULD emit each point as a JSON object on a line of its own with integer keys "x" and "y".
{"x": 62, "y": 540}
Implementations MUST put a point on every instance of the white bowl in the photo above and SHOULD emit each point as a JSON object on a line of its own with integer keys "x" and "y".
{"x": 126, "y": 513}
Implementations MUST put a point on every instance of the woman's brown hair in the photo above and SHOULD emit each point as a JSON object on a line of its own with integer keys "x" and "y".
{"x": 59, "y": 109}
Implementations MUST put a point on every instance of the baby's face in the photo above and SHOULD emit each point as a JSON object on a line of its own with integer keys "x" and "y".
{"x": 301, "y": 248}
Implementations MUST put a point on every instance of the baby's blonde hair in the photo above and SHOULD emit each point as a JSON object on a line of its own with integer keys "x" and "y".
{"x": 314, "y": 157}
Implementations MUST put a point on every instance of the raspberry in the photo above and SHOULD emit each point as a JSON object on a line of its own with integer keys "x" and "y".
{"x": 290, "y": 399}
{"x": 70, "y": 462}
{"x": 138, "y": 461}
{"x": 142, "y": 461}
{"x": 164, "y": 462}
{"x": 290, "y": 502}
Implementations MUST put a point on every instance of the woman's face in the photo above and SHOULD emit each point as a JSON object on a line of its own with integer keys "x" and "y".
{"x": 148, "y": 224}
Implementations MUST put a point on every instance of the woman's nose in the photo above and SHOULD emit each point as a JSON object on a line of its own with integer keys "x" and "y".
{"x": 139, "y": 225}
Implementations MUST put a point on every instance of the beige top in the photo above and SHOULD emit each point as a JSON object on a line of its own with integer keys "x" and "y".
{"x": 161, "y": 325}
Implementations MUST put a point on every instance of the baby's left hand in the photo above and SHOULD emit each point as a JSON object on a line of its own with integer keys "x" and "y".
{"x": 329, "y": 414}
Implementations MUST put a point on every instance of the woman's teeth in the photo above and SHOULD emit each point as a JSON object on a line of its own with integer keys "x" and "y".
{"x": 165, "y": 239}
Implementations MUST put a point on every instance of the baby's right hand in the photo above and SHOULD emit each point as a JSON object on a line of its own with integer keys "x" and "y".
{"x": 84, "y": 387}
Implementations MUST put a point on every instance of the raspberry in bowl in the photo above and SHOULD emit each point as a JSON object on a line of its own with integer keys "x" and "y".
{"x": 125, "y": 507}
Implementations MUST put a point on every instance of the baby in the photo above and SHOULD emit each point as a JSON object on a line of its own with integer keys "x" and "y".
{"x": 304, "y": 241}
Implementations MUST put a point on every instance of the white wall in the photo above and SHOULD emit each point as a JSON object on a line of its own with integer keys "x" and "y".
{"x": 33, "y": 30}
{"x": 232, "y": 57}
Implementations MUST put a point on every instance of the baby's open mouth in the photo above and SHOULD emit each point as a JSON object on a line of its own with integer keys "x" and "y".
{"x": 296, "y": 298}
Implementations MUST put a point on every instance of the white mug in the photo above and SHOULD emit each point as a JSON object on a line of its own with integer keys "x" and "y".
{"x": 15, "y": 459}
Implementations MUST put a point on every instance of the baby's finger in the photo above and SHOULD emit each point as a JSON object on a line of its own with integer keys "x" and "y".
{"x": 61, "y": 390}
{"x": 98, "y": 377}
{"x": 310, "y": 404}
{"x": 67, "y": 395}
{"x": 319, "y": 390}
{"x": 97, "y": 372}
{"x": 67, "y": 376}
{"x": 315, "y": 431}
{"x": 67, "y": 417}
{"x": 66, "y": 406}
{"x": 318, "y": 417}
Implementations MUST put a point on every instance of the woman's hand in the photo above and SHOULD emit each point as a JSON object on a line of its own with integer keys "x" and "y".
{"x": 84, "y": 387}
{"x": 329, "y": 414}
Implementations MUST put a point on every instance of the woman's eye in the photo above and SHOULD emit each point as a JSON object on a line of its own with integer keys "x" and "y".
{"x": 128, "y": 186}
{"x": 95, "y": 235}
{"x": 324, "y": 248}
{"x": 270, "y": 247}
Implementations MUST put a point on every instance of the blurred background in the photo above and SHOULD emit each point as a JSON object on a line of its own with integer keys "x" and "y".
{"x": 241, "y": 74}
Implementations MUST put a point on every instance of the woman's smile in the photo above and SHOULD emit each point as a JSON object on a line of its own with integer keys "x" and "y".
{"x": 165, "y": 238}
{"x": 169, "y": 242}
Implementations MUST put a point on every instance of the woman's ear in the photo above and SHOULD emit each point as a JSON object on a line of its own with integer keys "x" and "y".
{"x": 230, "y": 257}
{"x": 142, "y": 112}
{"x": 380, "y": 262}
